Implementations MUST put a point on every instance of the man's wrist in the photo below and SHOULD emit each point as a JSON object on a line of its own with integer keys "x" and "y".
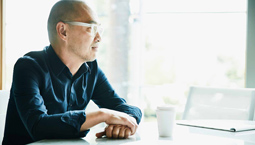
{"x": 93, "y": 118}
{"x": 103, "y": 114}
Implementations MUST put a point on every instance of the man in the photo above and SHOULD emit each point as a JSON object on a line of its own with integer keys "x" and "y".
{"x": 51, "y": 88}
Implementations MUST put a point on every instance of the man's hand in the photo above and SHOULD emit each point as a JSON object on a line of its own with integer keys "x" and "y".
{"x": 119, "y": 118}
{"x": 110, "y": 117}
{"x": 115, "y": 131}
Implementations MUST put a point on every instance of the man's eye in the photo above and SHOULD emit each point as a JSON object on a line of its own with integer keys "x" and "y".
{"x": 89, "y": 28}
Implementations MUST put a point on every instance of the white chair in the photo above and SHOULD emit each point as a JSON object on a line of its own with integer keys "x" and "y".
{"x": 219, "y": 103}
{"x": 4, "y": 98}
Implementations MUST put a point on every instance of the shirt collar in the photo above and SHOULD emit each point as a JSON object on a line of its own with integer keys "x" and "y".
{"x": 83, "y": 69}
{"x": 58, "y": 66}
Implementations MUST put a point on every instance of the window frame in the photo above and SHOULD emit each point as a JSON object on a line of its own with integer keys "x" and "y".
{"x": 250, "y": 46}
{"x": 1, "y": 42}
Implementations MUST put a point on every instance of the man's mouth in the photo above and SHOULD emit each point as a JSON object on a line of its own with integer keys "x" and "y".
{"x": 94, "y": 48}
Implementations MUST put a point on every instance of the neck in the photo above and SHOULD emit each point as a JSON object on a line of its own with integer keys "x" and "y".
{"x": 73, "y": 63}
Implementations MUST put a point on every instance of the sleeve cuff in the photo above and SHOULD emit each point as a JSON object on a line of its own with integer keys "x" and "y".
{"x": 131, "y": 111}
{"x": 75, "y": 119}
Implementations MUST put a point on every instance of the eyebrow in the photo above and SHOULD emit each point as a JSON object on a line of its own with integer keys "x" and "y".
{"x": 93, "y": 22}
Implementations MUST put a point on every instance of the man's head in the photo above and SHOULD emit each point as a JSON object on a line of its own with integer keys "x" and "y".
{"x": 75, "y": 38}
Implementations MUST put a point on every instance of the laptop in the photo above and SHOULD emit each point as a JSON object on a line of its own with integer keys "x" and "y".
{"x": 224, "y": 125}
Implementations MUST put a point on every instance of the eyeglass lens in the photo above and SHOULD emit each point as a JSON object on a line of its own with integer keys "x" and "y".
{"x": 97, "y": 29}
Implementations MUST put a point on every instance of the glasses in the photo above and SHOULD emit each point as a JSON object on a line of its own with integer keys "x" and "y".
{"x": 95, "y": 28}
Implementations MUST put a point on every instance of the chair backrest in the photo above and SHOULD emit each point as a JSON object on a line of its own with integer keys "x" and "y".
{"x": 219, "y": 103}
{"x": 4, "y": 98}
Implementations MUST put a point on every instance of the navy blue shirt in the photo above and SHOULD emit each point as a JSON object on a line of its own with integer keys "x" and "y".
{"x": 47, "y": 101}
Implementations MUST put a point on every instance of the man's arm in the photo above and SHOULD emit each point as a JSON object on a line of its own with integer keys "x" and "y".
{"x": 110, "y": 117}
{"x": 32, "y": 110}
{"x": 105, "y": 97}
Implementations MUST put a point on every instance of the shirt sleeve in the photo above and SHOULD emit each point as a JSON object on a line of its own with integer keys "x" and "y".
{"x": 31, "y": 108}
{"x": 105, "y": 97}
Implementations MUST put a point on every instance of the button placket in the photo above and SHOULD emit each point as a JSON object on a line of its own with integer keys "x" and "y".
{"x": 71, "y": 101}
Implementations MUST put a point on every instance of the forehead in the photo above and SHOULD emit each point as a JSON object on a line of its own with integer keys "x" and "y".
{"x": 86, "y": 14}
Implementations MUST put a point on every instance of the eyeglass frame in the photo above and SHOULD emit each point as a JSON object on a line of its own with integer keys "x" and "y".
{"x": 99, "y": 27}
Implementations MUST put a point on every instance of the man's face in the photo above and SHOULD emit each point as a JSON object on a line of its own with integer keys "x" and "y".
{"x": 80, "y": 41}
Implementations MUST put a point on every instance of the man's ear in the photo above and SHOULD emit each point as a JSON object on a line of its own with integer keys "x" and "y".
{"x": 61, "y": 30}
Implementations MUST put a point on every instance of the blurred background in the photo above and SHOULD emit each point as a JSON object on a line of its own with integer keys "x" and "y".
{"x": 152, "y": 51}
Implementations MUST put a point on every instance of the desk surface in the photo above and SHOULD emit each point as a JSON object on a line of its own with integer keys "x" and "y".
{"x": 148, "y": 134}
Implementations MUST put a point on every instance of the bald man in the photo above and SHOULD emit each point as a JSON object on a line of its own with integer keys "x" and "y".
{"x": 51, "y": 88}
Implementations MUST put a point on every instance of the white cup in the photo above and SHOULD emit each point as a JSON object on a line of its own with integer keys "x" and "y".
{"x": 166, "y": 120}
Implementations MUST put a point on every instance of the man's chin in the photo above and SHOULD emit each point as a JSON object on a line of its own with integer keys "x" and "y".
{"x": 90, "y": 59}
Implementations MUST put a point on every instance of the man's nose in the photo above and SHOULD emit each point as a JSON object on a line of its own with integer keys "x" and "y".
{"x": 98, "y": 37}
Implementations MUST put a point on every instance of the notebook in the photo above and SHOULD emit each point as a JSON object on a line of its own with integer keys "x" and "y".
{"x": 224, "y": 125}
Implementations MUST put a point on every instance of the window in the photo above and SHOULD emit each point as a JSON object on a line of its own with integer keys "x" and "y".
{"x": 187, "y": 43}
{"x": 26, "y": 30}
{"x": 152, "y": 50}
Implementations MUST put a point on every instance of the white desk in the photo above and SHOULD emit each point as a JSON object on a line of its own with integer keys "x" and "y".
{"x": 148, "y": 134}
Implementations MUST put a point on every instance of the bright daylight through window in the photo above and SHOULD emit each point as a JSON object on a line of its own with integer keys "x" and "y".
{"x": 160, "y": 47}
